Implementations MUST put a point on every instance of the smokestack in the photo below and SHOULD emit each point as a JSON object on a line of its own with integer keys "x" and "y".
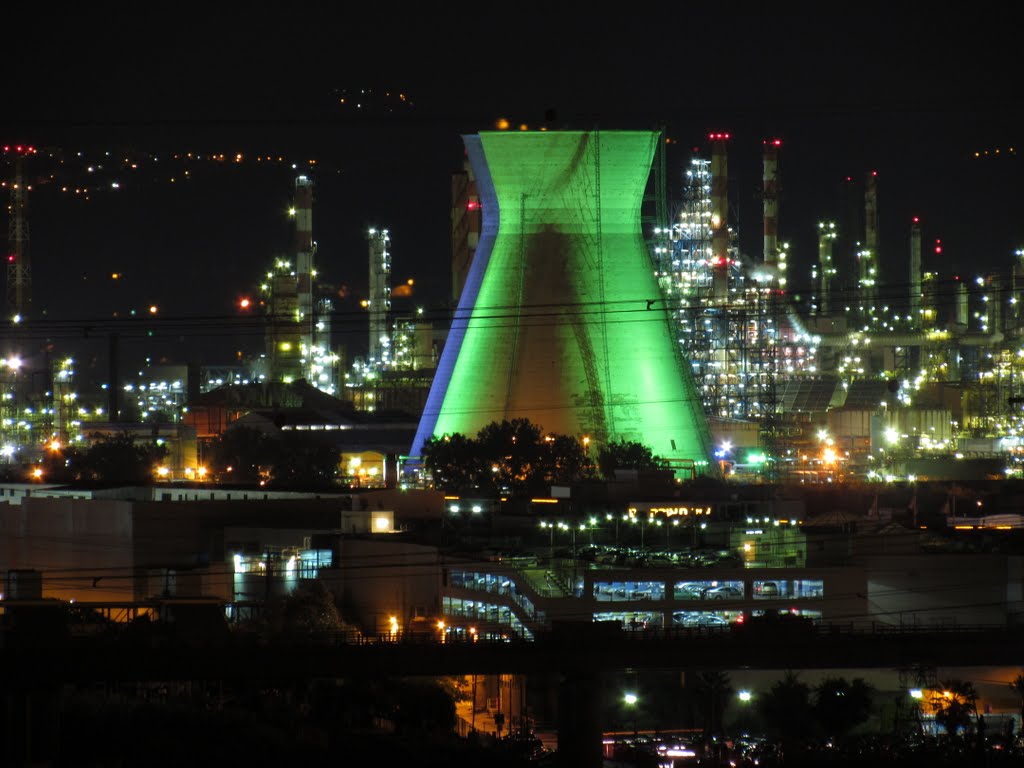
{"x": 1016, "y": 288}
{"x": 915, "y": 272}
{"x": 770, "y": 200}
{"x": 869, "y": 254}
{"x": 719, "y": 218}
{"x": 826, "y": 269}
{"x": 304, "y": 248}
{"x": 961, "y": 304}
{"x": 380, "y": 294}
{"x": 871, "y": 213}
{"x": 994, "y": 303}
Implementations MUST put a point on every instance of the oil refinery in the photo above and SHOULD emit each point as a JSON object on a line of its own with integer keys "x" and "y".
{"x": 746, "y": 364}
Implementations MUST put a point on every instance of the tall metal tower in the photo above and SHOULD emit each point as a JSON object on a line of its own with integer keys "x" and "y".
{"x": 19, "y": 267}
{"x": 868, "y": 256}
{"x": 304, "y": 250}
{"x": 688, "y": 284}
{"x": 770, "y": 201}
{"x": 825, "y": 270}
{"x": 719, "y": 218}
{"x": 915, "y": 273}
{"x": 379, "y": 302}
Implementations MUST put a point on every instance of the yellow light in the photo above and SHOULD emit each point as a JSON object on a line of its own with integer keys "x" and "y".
{"x": 543, "y": 501}
{"x": 37, "y": 473}
{"x": 501, "y": 124}
{"x": 55, "y": 445}
{"x": 163, "y": 471}
{"x": 153, "y": 309}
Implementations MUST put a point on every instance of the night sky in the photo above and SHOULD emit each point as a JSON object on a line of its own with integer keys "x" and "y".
{"x": 913, "y": 99}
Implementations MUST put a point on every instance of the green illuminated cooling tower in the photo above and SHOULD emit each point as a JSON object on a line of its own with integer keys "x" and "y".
{"x": 565, "y": 326}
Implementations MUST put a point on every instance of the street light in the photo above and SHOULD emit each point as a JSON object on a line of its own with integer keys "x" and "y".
{"x": 668, "y": 530}
{"x": 616, "y": 519}
{"x": 551, "y": 541}
{"x": 630, "y": 699}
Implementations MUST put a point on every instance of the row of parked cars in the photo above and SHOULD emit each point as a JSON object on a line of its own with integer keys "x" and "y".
{"x": 623, "y": 557}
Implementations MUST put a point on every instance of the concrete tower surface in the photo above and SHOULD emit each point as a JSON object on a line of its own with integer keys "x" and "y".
{"x": 561, "y": 319}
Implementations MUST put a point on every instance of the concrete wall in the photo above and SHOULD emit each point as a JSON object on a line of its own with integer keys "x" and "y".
{"x": 83, "y": 547}
{"x": 944, "y": 589}
{"x": 381, "y": 578}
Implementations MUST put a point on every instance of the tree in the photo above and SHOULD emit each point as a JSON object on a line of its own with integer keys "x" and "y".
{"x": 296, "y": 460}
{"x": 309, "y": 609}
{"x": 119, "y": 460}
{"x": 627, "y": 455}
{"x": 841, "y": 704}
{"x": 956, "y": 706}
{"x": 713, "y": 689}
{"x": 786, "y": 708}
{"x": 565, "y": 460}
{"x": 454, "y": 462}
{"x": 516, "y": 449}
{"x": 1018, "y": 686}
{"x": 241, "y": 454}
{"x": 505, "y": 457}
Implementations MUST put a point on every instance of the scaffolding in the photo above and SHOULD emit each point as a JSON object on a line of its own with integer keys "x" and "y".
{"x": 721, "y": 340}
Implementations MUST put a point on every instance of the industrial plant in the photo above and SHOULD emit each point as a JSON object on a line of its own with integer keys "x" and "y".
{"x": 587, "y": 303}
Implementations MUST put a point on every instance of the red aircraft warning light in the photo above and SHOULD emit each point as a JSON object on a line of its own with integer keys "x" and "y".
{"x": 718, "y": 136}
{"x": 772, "y": 142}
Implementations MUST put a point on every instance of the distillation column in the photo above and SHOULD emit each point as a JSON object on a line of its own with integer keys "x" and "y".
{"x": 868, "y": 256}
{"x": 304, "y": 249}
{"x": 380, "y": 295}
{"x": 719, "y": 219}
{"x": 19, "y": 268}
{"x": 914, "y": 284}
{"x": 770, "y": 202}
{"x": 826, "y": 268}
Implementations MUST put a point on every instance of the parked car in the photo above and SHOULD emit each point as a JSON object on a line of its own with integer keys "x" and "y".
{"x": 768, "y": 589}
{"x": 724, "y": 592}
{"x": 698, "y": 619}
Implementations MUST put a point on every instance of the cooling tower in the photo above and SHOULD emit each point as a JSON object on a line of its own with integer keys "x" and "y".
{"x": 561, "y": 320}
